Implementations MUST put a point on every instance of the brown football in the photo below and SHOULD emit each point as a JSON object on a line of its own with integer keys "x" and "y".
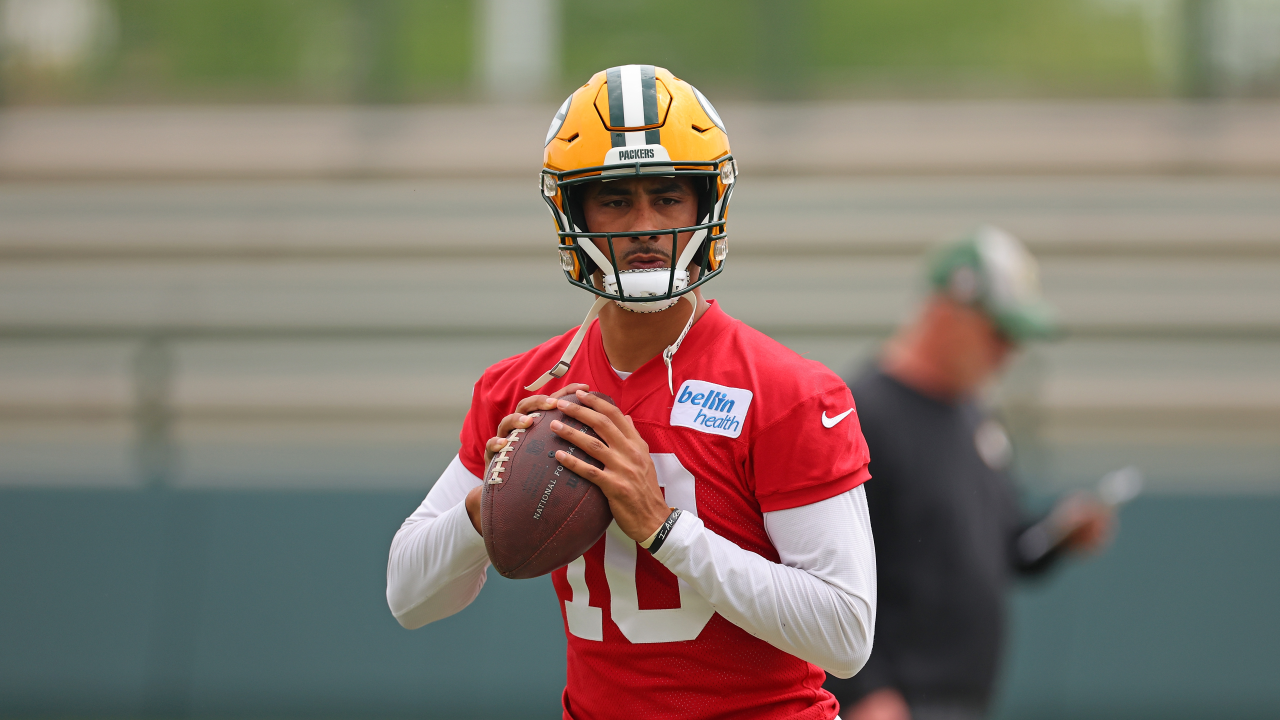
{"x": 536, "y": 515}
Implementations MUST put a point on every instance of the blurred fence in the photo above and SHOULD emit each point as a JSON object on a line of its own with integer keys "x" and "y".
{"x": 270, "y": 319}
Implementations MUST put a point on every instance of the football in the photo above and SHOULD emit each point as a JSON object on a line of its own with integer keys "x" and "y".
{"x": 536, "y": 515}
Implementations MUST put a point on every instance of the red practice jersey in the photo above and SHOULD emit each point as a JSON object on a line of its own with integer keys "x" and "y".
{"x": 751, "y": 428}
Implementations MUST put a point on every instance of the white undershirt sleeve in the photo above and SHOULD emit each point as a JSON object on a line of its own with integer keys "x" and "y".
{"x": 819, "y": 604}
{"x": 438, "y": 561}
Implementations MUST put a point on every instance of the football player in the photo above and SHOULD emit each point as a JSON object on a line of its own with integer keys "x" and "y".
{"x": 740, "y": 563}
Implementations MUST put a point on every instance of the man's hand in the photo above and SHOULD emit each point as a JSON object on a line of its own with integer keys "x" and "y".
{"x": 883, "y": 704}
{"x": 1085, "y": 524}
{"x": 521, "y": 419}
{"x": 629, "y": 479}
{"x": 517, "y": 419}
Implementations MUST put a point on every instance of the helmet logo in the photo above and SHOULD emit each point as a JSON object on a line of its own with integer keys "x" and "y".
{"x": 637, "y": 153}
{"x": 557, "y": 122}
{"x": 709, "y": 109}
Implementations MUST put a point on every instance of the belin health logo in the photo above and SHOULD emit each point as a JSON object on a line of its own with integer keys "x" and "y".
{"x": 711, "y": 408}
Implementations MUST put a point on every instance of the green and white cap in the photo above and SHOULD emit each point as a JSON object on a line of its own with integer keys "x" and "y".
{"x": 991, "y": 270}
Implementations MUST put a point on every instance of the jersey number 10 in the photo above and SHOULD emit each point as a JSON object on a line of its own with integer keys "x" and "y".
{"x": 639, "y": 626}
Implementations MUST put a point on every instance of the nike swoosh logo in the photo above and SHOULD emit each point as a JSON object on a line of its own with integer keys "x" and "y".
{"x": 831, "y": 422}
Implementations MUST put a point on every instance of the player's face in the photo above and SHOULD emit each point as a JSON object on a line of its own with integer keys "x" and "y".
{"x": 641, "y": 205}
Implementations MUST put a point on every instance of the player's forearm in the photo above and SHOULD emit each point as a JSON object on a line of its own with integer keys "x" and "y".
{"x": 436, "y": 568}
{"x": 827, "y": 618}
{"x": 438, "y": 561}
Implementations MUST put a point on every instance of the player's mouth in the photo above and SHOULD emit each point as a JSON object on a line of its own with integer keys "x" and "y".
{"x": 645, "y": 261}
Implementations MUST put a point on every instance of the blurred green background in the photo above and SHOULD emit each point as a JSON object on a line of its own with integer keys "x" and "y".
{"x": 403, "y": 51}
{"x": 254, "y": 254}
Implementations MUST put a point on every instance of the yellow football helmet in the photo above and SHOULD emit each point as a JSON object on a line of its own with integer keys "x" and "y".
{"x": 636, "y": 120}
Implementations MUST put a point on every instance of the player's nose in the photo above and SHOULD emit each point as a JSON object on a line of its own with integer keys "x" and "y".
{"x": 648, "y": 223}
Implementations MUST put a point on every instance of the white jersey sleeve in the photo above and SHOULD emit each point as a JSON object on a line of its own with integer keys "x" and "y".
{"x": 438, "y": 561}
{"x": 819, "y": 604}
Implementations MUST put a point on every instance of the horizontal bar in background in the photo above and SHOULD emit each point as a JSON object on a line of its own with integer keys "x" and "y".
{"x": 267, "y": 333}
{"x": 903, "y": 138}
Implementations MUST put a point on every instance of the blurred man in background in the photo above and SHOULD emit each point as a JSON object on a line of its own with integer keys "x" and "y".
{"x": 949, "y": 533}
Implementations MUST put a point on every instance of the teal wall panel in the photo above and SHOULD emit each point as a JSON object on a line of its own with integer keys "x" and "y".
{"x": 1178, "y": 619}
{"x": 257, "y": 604}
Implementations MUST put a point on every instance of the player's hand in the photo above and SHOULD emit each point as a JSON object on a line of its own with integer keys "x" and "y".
{"x": 1085, "y": 523}
{"x": 517, "y": 419}
{"x": 883, "y": 704}
{"x": 521, "y": 419}
{"x": 629, "y": 479}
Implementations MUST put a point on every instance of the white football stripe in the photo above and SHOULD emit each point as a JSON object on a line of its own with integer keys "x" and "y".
{"x": 632, "y": 97}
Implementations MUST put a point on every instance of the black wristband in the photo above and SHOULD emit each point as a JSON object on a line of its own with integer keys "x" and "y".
{"x": 664, "y": 530}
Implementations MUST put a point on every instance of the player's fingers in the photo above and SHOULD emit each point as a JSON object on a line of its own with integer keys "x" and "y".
{"x": 593, "y": 446}
{"x": 532, "y": 403}
{"x": 546, "y": 402}
{"x": 631, "y": 429}
{"x": 509, "y": 423}
{"x": 580, "y": 467}
{"x": 609, "y": 410}
{"x": 570, "y": 388}
{"x": 493, "y": 447}
{"x": 513, "y": 421}
{"x": 602, "y": 424}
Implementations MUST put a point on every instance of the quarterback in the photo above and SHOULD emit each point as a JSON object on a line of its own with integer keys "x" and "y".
{"x": 740, "y": 563}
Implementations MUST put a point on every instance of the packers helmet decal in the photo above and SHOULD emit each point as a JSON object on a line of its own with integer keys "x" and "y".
{"x": 628, "y": 121}
{"x": 709, "y": 109}
{"x": 558, "y": 121}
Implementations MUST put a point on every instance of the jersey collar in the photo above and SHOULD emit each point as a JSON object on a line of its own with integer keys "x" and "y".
{"x": 652, "y": 376}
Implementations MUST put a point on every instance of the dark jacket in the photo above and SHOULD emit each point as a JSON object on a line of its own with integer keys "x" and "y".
{"x": 947, "y": 521}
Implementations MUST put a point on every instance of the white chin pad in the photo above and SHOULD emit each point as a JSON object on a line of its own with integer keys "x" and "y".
{"x": 647, "y": 283}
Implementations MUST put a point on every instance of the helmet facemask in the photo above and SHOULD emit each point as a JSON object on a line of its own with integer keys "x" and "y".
{"x": 645, "y": 290}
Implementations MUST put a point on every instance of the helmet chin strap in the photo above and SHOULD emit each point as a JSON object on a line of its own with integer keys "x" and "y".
{"x": 566, "y": 359}
{"x": 562, "y": 367}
